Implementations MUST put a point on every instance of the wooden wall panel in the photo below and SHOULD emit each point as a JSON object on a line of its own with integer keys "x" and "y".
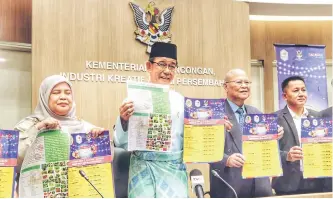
{"x": 213, "y": 34}
{"x": 209, "y": 33}
{"x": 265, "y": 33}
{"x": 15, "y": 20}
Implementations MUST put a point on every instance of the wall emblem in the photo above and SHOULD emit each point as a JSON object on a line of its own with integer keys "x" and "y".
{"x": 152, "y": 25}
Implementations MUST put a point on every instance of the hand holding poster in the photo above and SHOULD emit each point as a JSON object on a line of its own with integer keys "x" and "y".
{"x": 203, "y": 130}
{"x": 260, "y": 146}
{"x": 149, "y": 127}
{"x": 8, "y": 160}
{"x": 51, "y": 165}
{"x": 316, "y": 139}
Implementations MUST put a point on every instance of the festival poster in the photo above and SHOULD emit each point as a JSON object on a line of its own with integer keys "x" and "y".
{"x": 8, "y": 147}
{"x": 203, "y": 130}
{"x": 149, "y": 127}
{"x": 316, "y": 140}
{"x": 7, "y": 182}
{"x": 260, "y": 146}
{"x": 56, "y": 145}
{"x": 99, "y": 175}
{"x": 45, "y": 171}
{"x": 85, "y": 149}
{"x": 31, "y": 182}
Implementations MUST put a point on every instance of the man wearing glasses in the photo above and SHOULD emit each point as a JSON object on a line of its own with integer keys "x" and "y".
{"x": 237, "y": 87}
{"x": 154, "y": 174}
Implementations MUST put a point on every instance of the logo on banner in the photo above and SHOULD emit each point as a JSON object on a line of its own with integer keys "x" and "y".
{"x": 316, "y": 55}
{"x": 299, "y": 55}
{"x": 152, "y": 25}
{"x": 284, "y": 55}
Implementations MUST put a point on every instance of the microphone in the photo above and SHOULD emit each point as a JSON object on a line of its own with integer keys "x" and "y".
{"x": 83, "y": 174}
{"x": 225, "y": 182}
{"x": 197, "y": 181}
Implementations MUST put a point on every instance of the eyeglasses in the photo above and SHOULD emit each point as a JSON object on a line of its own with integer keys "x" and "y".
{"x": 172, "y": 67}
{"x": 241, "y": 82}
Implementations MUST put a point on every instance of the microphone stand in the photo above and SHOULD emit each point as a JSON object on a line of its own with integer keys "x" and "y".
{"x": 95, "y": 188}
{"x": 219, "y": 177}
{"x": 86, "y": 178}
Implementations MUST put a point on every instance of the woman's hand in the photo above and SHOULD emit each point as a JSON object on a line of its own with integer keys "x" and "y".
{"x": 95, "y": 132}
{"x": 48, "y": 123}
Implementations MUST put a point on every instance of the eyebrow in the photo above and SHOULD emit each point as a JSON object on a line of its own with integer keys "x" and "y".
{"x": 61, "y": 90}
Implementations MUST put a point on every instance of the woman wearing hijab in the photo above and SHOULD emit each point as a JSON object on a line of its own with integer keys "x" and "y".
{"x": 55, "y": 109}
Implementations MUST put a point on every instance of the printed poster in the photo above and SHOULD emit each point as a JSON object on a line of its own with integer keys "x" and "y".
{"x": 86, "y": 149}
{"x": 260, "y": 146}
{"x": 47, "y": 170}
{"x": 8, "y": 147}
{"x": 316, "y": 140}
{"x": 203, "y": 130}
{"x": 7, "y": 182}
{"x": 9, "y": 140}
{"x": 100, "y": 175}
{"x": 149, "y": 127}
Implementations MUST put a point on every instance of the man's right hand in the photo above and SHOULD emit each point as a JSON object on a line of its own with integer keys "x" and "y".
{"x": 295, "y": 153}
{"x": 236, "y": 160}
{"x": 126, "y": 110}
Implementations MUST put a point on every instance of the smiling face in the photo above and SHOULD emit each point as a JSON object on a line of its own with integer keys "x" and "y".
{"x": 61, "y": 99}
{"x": 158, "y": 73}
{"x": 237, "y": 86}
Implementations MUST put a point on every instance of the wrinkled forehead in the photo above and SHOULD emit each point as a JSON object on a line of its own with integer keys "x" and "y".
{"x": 238, "y": 76}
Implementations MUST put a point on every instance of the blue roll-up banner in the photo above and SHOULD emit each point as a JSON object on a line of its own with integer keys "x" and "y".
{"x": 307, "y": 61}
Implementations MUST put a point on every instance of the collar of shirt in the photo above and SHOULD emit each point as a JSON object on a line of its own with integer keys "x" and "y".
{"x": 293, "y": 114}
{"x": 235, "y": 107}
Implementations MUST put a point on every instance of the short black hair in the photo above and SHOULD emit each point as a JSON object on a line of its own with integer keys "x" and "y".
{"x": 285, "y": 82}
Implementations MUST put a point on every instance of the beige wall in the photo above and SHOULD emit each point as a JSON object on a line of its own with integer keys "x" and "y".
{"x": 265, "y": 33}
{"x": 211, "y": 33}
{"x": 15, "y": 86}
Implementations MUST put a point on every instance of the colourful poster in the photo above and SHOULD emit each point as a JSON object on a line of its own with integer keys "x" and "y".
{"x": 85, "y": 149}
{"x": 56, "y": 145}
{"x": 8, "y": 147}
{"x": 7, "y": 182}
{"x": 260, "y": 146}
{"x": 55, "y": 183}
{"x": 45, "y": 169}
{"x": 99, "y": 175}
{"x": 149, "y": 128}
{"x": 317, "y": 147}
{"x": 203, "y": 130}
{"x": 31, "y": 182}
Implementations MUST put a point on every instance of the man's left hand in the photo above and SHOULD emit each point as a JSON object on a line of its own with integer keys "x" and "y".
{"x": 280, "y": 132}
